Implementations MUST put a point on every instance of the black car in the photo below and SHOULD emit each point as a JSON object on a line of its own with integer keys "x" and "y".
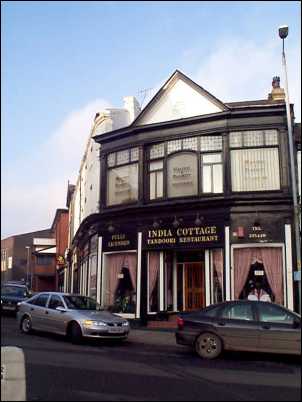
{"x": 11, "y": 295}
{"x": 252, "y": 326}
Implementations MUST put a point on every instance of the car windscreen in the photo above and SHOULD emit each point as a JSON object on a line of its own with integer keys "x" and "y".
{"x": 81, "y": 303}
{"x": 14, "y": 291}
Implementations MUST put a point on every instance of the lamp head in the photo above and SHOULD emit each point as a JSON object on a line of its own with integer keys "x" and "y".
{"x": 283, "y": 31}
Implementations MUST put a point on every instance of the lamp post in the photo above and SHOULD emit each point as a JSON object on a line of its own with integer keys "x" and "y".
{"x": 27, "y": 266}
{"x": 283, "y": 32}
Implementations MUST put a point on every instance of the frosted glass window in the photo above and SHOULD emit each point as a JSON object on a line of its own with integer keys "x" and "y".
{"x": 122, "y": 184}
{"x": 211, "y": 143}
{"x": 207, "y": 179}
{"x": 122, "y": 157}
{"x": 211, "y": 158}
{"x": 174, "y": 146}
{"x": 156, "y": 165}
{"x": 255, "y": 169}
{"x": 111, "y": 160}
{"x": 157, "y": 151}
{"x": 236, "y": 140}
{"x": 253, "y": 138}
{"x": 271, "y": 137}
{"x": 134, "y": 154}
{"x": 190, "y": 143}
{"x": 212, "y": 173}
{"x": 182, "y": 175}
{"x": 217, "y": 179}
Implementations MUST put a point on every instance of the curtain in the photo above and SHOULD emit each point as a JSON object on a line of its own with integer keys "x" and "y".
{"x": 131, "y": 263}
{"x": 114, "y": 264}
{"x": 243, "y": 258}
{"x": 154, "y": 263}
{"x": 218, "y": 264}
{"x": 272, "y": 262}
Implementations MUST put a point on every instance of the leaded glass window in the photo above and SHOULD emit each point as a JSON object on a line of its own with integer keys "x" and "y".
{"x": 157, "y": 151}
{"x": 190, "y": 143}
{"x": 211, "y": 143}
{"x": 174, "y": 146}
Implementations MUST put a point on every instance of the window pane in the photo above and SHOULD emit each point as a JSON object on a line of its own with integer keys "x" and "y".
{"x": 153, "y": 279}
{"x": 217, "y": 179}
{"x": 111, "y": 160}
{"x": 271, "y": 137}
{"x": 253, "y": 138}
{"x": 122, "y": 157}
{"x": 123, "y": 184}
{"x": 255, "y": 169}
{"x": 134, "y": 154}
{"x": 236, "y": 140}
{"x": 156, "y": 165}
{"x": 270, "y": 313}
{"x": 182, "y": 175}
{"x": 190, "y": 143}
{"x": 207, "y": 179}
{"x": 174, "y": 146}
{"x": 160, "y": 184}
{"x": 211, "y": 158}
{"x": 210, "y": 143}
{"x": 152, "y": 186}
{"x": 238, "y": 312}
{"x": 157, "y": 151}
{"x": 55, "y": 301}
{"x": 92, "y": 271}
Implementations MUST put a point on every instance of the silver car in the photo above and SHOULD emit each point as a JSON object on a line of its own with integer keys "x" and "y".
{"x": 72, "y": 315}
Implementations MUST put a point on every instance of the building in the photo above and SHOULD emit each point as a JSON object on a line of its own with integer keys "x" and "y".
{"x": 192, "y": 204}
{"x": 16, "y": 257}
{"x": 43, "y": 251}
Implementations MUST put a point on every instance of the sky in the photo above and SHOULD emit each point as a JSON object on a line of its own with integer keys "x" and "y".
{"x": 61, "y": 62}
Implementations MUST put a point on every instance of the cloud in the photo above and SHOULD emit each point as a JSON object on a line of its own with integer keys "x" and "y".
{"x": 238, "y": 70}
{"x": 30, "y": 197}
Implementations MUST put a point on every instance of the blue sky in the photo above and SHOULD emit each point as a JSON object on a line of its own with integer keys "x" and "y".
{"x": 63, "y": 61}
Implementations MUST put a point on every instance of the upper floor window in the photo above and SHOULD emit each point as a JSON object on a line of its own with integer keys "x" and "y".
{"x": 188, "y": 166}
{"x": 122, "y": 176}
{"x": 255, "y": 160}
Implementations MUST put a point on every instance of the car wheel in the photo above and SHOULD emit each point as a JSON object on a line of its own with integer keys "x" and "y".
{"x": 75, "y": 333}
{"x": 26, "y": 325}
{"x": 208, "y": 346}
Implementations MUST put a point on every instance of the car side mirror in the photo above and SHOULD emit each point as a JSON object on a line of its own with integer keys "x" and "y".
{"x": 62, "y": 309}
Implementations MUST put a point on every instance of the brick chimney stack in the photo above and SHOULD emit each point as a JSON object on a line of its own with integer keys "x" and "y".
{"x": 277, "y": 93}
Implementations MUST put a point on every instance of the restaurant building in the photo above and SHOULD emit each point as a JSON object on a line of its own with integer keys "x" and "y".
{"x": 194, "y": 206}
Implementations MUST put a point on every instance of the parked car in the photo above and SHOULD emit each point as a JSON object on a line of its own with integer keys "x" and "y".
{"x": 72, "y": 315}
{"x": 13, "y": 293}
{"x": 240, "y": 326}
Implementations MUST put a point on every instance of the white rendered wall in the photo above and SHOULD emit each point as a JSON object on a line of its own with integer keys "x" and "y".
{"x": 180, "y": 100}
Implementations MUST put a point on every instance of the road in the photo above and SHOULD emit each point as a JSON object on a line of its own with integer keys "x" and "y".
{"x": 149, "y": 366}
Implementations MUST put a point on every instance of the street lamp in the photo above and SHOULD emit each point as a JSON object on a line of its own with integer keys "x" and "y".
{"x": 283, "y": 32}
{"x": 27, "y": 266}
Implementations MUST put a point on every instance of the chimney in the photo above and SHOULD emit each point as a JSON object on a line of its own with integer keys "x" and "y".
{"x": 277, "y": 93}
{"x": 131, "y": 104}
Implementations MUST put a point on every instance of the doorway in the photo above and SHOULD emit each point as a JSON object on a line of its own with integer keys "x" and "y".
{"x": 194, "y": 289}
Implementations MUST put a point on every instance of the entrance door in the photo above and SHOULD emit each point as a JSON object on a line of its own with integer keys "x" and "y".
{"x": 194, "y": 286}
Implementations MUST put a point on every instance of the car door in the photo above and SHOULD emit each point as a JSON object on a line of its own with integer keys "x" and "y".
{"x": 237, "y": 326}
{"x": 37, "y": 312}
{"x": 55, "y": 320}
{"x": 279, "y": 331}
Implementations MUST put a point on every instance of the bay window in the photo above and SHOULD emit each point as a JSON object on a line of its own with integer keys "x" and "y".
{"x": 255, "y": 160}
{"x": 122, "y": 177}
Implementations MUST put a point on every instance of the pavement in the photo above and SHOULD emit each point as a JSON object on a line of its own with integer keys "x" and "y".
{"x": 149, "y": 366}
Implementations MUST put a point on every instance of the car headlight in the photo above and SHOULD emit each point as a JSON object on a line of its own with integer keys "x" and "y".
{"x": 125, "y": 324}
{"x": 90, "y": 323}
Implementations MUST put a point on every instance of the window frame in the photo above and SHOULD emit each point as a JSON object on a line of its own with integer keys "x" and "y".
{"x": 264, "y": 146}
{"x": 121, "y": 165}
{"x": 199, "y": 152}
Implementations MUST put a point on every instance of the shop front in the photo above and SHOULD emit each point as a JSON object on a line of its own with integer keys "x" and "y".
{"x": 185, "y": 266}
{"x": 261, "y": 260}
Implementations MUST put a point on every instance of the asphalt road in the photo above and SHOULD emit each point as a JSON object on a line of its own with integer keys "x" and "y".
{"x": 149, "y": 366}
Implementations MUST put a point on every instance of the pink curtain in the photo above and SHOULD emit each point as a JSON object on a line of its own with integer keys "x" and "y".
{"x": 273, "y": 263}
{"x": 154, "y": 263}
{"x": 243, "y": 258}
{"x": 131, "y": 263}
{"x": 114, "y": 264}
{"x": 218, "y": 264}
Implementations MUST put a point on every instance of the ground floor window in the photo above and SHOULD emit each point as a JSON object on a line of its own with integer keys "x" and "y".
{"x": 92, "y": 275}
{"x": 119, "y": 282}
{"x": 258, "y": 274}
{"x": 153, "y": 281}
{"x": 217, "y": 281}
